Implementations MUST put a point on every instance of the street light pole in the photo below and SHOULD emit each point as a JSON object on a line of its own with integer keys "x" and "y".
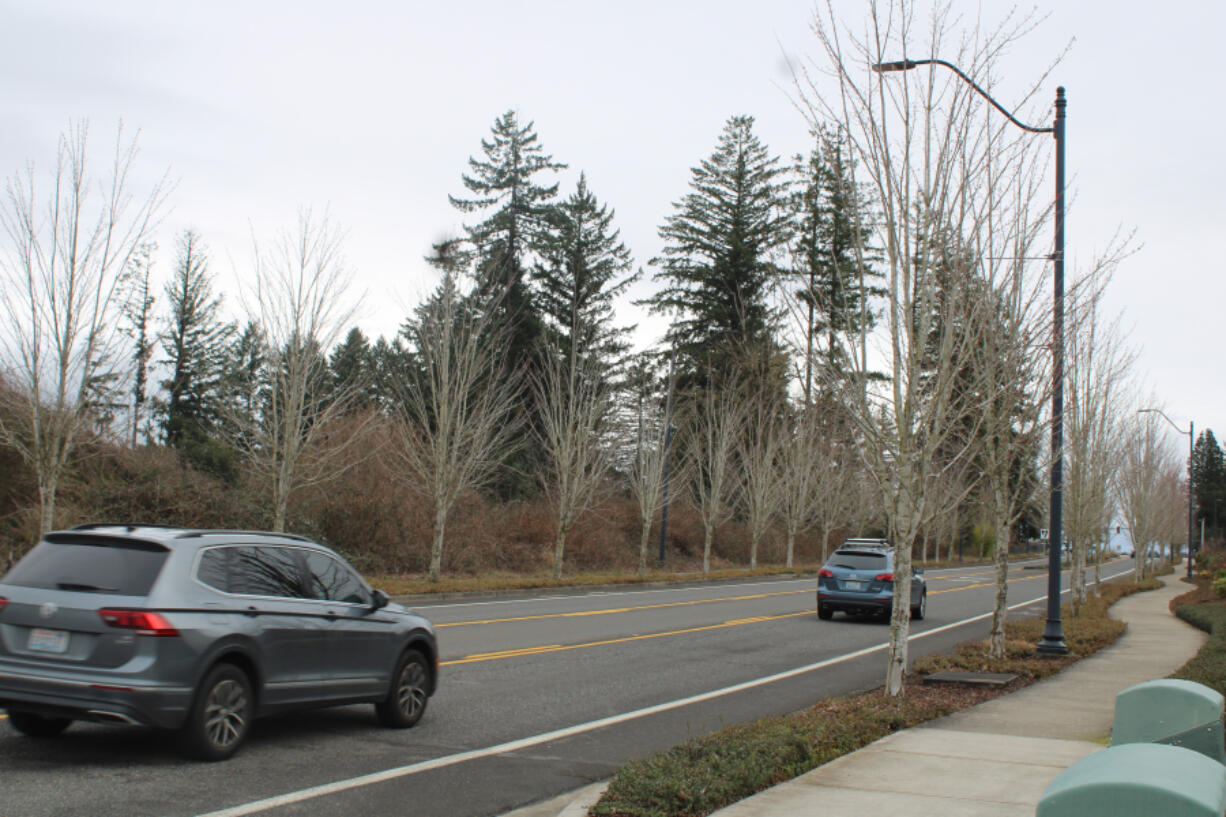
{"x": 1191, "y": 432}
{"x": 1052, "y": 642}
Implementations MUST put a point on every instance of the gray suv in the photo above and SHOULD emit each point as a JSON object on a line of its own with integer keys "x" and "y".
{"x": 859, "y": 578}
{"x": 200, "y": 631}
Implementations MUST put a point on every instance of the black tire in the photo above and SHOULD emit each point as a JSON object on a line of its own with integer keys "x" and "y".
{"x": 220, "y": 718}
{"x": 37, "y": 726}
{"x": 410, "y": 690}
{"x": 920, "y": 610}
{"x": 824, "y": 612}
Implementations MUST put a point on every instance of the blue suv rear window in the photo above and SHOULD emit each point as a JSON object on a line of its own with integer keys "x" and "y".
{"x": 125, "y": 567}
{"x": 858, "y": 560}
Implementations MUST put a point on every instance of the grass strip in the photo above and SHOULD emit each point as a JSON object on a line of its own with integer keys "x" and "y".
{"x": 494, "y": 581}
{"x": 705, "y": 774}
{"x": 1208, "y": 666}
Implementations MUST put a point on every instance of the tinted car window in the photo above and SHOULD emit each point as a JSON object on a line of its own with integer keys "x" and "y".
{"x": 125, "y": 567}
{"x": 265, "y": 571}
{"x": 858, "y": 560}
{"x": 215, "y": 568}
{"x": 331, "y": 580}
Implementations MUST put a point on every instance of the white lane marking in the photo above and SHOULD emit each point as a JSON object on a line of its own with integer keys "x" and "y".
{"x": 570, "y": 731}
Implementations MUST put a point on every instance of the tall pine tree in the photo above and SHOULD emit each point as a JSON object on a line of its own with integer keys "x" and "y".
{"x": 584, "y": 267}
{"x": 138, "y": 312}
{"x": 351, "y": 368}
{"x": 1209, "y": 481}
{"x": 499, "y": 251}
{"x": 518, "y": 211}
{"x": 832, "y": 256}
{"x": 195, "y": 341}
{"x": 719, "y": 260}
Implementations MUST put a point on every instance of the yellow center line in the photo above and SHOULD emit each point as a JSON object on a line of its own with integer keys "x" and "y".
{"x": 473, "y": 659}
{"x": 552, "y": 648}
{"x": 690, "y": 603}
{"x": 611, "y": 610}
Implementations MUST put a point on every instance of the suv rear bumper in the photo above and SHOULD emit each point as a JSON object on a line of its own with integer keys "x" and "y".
{"x": 106, "y": 699}
{"x": 855, "y": 602}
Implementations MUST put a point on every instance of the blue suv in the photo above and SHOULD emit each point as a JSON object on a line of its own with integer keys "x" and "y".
{"x": 858, "y": 578}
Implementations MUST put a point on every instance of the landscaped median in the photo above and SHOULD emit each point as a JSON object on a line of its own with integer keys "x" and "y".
{"x": 705, "y": 774}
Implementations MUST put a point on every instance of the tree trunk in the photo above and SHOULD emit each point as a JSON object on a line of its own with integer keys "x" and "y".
{"x": 436, "y": 545}
{"x": 47, "y": 485}
{"x": 1000, "y": 606}
{"x": 643, "y": 537}
{"x": 753, "y": 552}
{"x": 559, "y": 547}
{"x": 791, "y": 545}
{"x": 707, "y": 536}
{"x": 900, "y": 614}
{"x": 900, "y": 620}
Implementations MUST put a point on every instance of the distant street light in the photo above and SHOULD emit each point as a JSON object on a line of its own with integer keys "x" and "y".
{"x": 1191, "y": 440}
{"x": 1052, "y": 642}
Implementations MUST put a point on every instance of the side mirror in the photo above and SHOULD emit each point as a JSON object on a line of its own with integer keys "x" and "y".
{"x": 379, "y": 600}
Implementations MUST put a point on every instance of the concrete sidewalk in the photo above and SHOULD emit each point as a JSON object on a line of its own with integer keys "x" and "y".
{"x": 992, "y": 760}
{"x": 995, "y": 759}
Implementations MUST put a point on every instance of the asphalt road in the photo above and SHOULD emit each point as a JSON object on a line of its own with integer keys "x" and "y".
{"x": 539, "y": 694}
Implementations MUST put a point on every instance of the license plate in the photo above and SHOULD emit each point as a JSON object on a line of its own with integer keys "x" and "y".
{"x": 48, "y": 640}
{"x": 853, "y": 585}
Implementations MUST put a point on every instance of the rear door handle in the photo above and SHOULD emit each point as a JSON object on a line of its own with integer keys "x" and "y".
{"x": 251, "y": 611}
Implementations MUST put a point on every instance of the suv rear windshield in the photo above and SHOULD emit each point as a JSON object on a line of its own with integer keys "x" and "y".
{"x": 858, "y": 559}
{"x": 125, "y": 567}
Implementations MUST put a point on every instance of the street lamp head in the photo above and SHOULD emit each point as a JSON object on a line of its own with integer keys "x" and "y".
{"x": 900, "y": 65}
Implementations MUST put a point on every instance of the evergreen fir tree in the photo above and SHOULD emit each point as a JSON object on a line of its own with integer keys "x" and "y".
{"x": 718, "y": 261}
{"x": 585, "y": 266}
{"x": 832, "y": 220}
{"x": 498, "y": 252}
{"x": 504, "y": 182}
{"x": 351, "y": 368}
{"x": 194, "y": 341}
{"x": 138, "y": 311}
{"x": 1209, "y": 481}
{"x": 244, "y": 388}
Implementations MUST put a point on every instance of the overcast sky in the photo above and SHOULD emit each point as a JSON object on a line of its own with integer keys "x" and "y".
{"x": 371, "y": 109}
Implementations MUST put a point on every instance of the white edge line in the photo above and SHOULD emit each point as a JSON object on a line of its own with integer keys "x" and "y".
{"x": 570, "y": 731}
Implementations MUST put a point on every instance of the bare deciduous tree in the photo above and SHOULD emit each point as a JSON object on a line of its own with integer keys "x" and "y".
{"x": 458, "y": 414}
{"x": 803, "y": 461}
{"x": 1148, "y": 484}
{"x": 574, "y": 400}
{"x": 926, "y": 143}
{"x": 649, "y": 469}
{"x": 1097, "y": 369}
{"x": 63, "y": 264}
{"x": 301, "y": 299}
{"x": 761, "y": 476}
{"x": 714, "y": 422}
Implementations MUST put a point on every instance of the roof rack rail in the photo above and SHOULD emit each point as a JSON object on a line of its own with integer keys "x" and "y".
{"x": 131, "y": 526}
{"x": 227, "y": 532}
{"x": 865, "y": 543}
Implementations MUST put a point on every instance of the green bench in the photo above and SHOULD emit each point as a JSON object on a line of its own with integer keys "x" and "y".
{"x": 1138, "y": 780}
{"x": 1171, "y": 711}
{"x": 1165, "y": 760}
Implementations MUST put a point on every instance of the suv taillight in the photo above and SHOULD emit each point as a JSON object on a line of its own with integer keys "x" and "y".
{"x": 825, "y": 574}
{"x": 3, "y": 602}
{"x": 143, "y": 622}
{"x": 884, "y": 577}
